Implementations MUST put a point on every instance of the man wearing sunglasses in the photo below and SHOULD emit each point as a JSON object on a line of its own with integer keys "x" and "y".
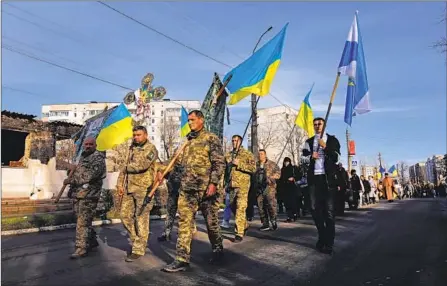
{"x": 322, "y": 153}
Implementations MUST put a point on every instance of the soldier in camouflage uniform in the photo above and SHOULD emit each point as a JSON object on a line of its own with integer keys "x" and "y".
{"x": 85, "y": 189}
{"x": 266, "y": 175}
{"x": 203, "y": 165}
{"x": 134, "y": 180}
{"x": 239, "y": 171}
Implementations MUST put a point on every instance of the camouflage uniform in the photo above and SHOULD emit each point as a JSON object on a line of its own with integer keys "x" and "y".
{"x": 85, "y": 188}
{"x": 267, "y": 194}
{"x": 239, "y": 186}
{"x": 202, "y": 162}
{"x": 141, "y": 170}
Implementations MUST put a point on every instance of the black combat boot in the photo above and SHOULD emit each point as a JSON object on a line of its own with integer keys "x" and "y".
{"x": 217, "y": 257}
{"x": 264, "y": 227}
{"x": 274, "y": 225}
{"x": 238, "y": 239}
{"x": 176, "y": 266}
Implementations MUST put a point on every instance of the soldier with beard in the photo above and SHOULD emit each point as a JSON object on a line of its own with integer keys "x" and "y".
{"x": 85, "y": 188}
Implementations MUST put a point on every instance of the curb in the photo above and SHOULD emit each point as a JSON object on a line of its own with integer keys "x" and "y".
{"x": 73, "y": 225}
{"x": 68, "y": 226}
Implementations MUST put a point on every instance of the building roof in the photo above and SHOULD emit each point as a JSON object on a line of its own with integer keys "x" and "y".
{"x": 17, "y": 115}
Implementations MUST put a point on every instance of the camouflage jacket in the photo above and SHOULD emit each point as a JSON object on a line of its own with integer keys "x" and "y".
{"x": 273, "y": 172}
{"x": 240, "y": 174}
{"x": 140, "y": 168}
{"x": 201, "y": 162}
{"x": 86, "y": 181}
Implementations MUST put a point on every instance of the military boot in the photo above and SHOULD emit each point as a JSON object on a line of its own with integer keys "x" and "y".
{"x": 176, "y": 266}
{"x": 132, "y": 257}
{"x": 79, "y": 253}
{"x": 217, "y": 257}
{"x": 93, "y": 245}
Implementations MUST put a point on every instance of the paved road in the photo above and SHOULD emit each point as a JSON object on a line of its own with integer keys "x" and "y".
{"x": 403, "y": 243}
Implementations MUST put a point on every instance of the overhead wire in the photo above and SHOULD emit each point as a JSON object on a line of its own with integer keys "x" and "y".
{"x": 65, "y": 68}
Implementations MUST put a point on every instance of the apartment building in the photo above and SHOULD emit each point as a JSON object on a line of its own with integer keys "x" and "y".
{"x": 163, "y": 125}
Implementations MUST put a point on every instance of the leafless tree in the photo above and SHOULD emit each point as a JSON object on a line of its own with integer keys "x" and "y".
{"x": 403, "y": 169}
{"x": 268, "y": 135}
{"x": 442, "y": 43}
{"x": 293, "y": 139}
{"x": 227, "y": 144}
{"x": 65, "y": 151}
{"x": 170, "y": 134}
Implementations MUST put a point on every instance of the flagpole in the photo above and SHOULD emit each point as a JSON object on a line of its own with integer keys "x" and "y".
{"x": 288, "y": 139}
{"x": 334, "y": 90}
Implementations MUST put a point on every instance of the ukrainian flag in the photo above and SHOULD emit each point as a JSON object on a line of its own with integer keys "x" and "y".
{"x": 116, "y": 129}
{"x": 393, "y": 171}
{"x": 305, "y": 116}
{"x": 184, "y": 127}
{"x": 255, "y": 74}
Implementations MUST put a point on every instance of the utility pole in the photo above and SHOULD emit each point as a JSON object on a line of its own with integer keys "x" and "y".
{"x": 349, "y": 156}
{"x": 254, "y": 120}
{"x": 380, "y": 160}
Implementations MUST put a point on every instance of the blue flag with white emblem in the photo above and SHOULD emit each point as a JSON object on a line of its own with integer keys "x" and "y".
{"x": 353, "y": 65}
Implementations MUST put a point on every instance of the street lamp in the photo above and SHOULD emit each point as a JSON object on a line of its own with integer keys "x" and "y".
{"x": 254, "y": 122}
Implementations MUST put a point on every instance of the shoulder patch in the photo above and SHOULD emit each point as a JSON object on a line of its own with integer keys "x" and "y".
{"x": 151, "y": 155}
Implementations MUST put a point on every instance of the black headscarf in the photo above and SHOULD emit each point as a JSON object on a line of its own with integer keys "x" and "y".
{"x": 286, "y": 171}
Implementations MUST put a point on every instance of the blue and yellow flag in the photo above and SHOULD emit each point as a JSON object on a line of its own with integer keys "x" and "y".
{"x": 305, "y": 116}
{"x": 393, "y": 171}
{"x": 184, "y": 127}
{"x": 255, "y": 74}
{"x": 116, "y": 129}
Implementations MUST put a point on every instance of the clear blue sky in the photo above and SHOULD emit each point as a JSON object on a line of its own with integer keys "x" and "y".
{"x": 407, "y": 78}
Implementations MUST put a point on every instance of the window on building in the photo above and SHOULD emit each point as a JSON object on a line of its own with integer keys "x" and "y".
{"x": 162, "y": 113}
{"x": 153, "y": 112}
{"x": 153, "y": 129}
{"x": 91, "y": 112}
{"x": 75, "y": 114}
{"x": 152, "y": 138}
{"x": 153, "y": 120}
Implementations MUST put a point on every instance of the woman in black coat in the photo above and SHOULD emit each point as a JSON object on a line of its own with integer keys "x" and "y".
{"x": 288, "y": 188}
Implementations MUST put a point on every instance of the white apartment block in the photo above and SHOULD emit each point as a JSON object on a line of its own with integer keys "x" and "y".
{"x": 274, "y": 128}
{"x": 434, "y": 167}
{"x": 164, "y": 119}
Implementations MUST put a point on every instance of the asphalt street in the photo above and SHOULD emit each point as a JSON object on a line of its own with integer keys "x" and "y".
{"x": 402, "y": 243}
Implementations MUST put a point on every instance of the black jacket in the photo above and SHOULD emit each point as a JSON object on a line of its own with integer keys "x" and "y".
{"x": 331, "y": 156}
{"x": 343, "y": 179}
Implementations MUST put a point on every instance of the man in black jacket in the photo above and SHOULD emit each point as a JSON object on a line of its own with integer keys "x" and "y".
{"x": 322, "y": 152}
{"x": 343, "y": 184}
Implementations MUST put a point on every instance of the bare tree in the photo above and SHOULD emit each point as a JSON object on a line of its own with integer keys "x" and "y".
{"x": 292, "y": 141}
{"x": 170, "y": 134}
{"x": 268, "y": 135}
{"x": 227, "y": 144}
{"x": 442, "y": 43}
{"x": 65, "y": 151}
{"x": 403, "y": 169}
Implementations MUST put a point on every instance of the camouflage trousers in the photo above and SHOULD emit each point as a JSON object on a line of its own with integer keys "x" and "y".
{"x": 171, "y": 212}
{"x": 136, "y": 226}
{"x": 238, "y": 203}
{"x": 85, "y": 212}
{"x": 188, "y": 205}
{"x": 172, "y": 206}
{"x": 267, "y": 206}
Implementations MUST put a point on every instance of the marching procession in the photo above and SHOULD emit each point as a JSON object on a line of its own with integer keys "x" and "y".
{"x": 173, "y": 191}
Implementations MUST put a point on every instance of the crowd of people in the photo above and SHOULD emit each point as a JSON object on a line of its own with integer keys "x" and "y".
{"x": 203, "y": 176}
